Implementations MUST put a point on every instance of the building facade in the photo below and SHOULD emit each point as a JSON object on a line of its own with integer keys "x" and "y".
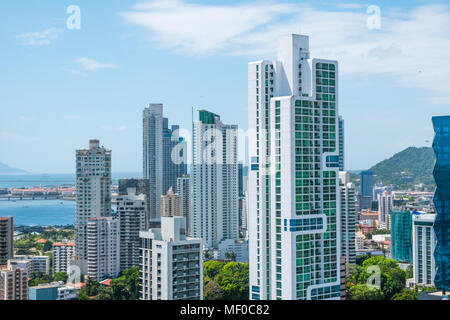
{"x": 214, "y": 180}
{"x": 294, "y": 198}
{"x": 424, "y": 243}
{"x": 441, "y": 200}
{"x": 132, "y": 212}
{"x": 62, "y": 254}
{"x": 348, "y": 218}
{"x": 385, "y": 205}
{"x": 174, "y": 156}
{"x": 171, "y": 263}
{"x": 184, "y": 189}
{"x": 153, "y": 158}
{"x": 103, "y": 248}
{"x": 171, "y": 205}
{"x": 93, "y": 185}
{"x": 13, "y": 283}
{"x": 401, "y": 236}
{"x": 6, "y": 239}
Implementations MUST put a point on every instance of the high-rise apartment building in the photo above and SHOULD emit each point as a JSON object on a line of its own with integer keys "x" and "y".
{"x": 348, "y": 218}
{"x": 424, "y": 243}
{"x": 93, "y": 187}
{"x": 13, "y": 283}
{"x": 62, "y": 254}
{"x": 132, "y": 212}
{"x": 6, "y": 239}
{"x": 401, "y": 236}
{"x": 184, "y": 189}
{"x": 385, "y": 205}
{"x": 171, "y": 205}
{"x": 341, "y": 145}
{"x": 214, "y": 180}
{"x": 171, "y": 263}
{"x": 294, "y": 198}
{"x": 153, "y": 158}
{"x": 164, "y": 157}
{"x": 174, "y": 156}
{"x": 441, "y": 200}
{"x": 103, "y": 248}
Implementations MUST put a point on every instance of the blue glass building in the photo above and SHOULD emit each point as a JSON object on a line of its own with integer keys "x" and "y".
{"x": 441, "y": 173}
{"x": 401, "y": 236}
{"x": 367, "y": 184}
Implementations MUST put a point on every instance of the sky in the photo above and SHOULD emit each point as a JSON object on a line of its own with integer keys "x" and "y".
{"x": 61, "y": 86}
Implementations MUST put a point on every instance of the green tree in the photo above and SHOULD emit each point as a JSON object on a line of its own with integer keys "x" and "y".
{"x": 61, "y": 276}
{"x": 363, "y": 292}
{"x": 212, "y": 290}
{"x": 406, "y": 294}
{"x": 47, "y": 246}
{"x": 360, "y": 259}
{"x": 104, "y": 293}
{"x": 211, "y": 268}
{"x": 126, "y": 287}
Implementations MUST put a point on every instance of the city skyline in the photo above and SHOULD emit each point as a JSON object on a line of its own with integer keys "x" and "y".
{"x": 85, "y": 87}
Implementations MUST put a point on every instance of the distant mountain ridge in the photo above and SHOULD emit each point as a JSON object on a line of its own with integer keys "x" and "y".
{"x": 5, "y": 169}
{"x": 407, "y": 168}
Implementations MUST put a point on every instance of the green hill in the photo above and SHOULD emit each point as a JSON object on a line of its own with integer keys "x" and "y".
{"x": 407, "y": 168}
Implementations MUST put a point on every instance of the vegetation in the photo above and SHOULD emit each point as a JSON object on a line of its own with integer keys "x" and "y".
{"x": 407, "y": 168}
{"x": 125, "y": 287}
{"x": 38, "y": 278}
{"x": 225, "y": 281}
{"x": 392, "y": 278}
{"x": 27, "y": 243}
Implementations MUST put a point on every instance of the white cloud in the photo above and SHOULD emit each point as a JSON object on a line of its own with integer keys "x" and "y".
{"x": 93, "y": 65}
{"x": 42, "y": 38}
{"x": 26, "y": 118}
{"x": 411, "y": 45}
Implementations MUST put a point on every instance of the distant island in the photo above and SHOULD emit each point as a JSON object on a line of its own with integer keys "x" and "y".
{"x": 5, "y": 169}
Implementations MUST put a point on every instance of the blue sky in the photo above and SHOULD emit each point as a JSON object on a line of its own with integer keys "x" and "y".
{"x": 61, "y": 87}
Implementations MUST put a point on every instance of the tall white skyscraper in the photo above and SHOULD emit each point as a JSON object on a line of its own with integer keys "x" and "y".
{"x": 171, "y": 263}
{"x": 294, "y": 198}
{"x": 93, "y": 185}
{"x": 385, "y": 205}
{"x": 153, "y": 158}
{"x": 214, "y": 180}
{"x": 103, "y": 248}
{"x": 348, "y": 217}
{"x": 424, "y": 243}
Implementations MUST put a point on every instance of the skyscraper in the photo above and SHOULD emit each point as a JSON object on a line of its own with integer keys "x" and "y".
{"x": 214, "y": 180}
{"x": 171, "y": 263}
{"x": 153, "y": 158}
{"x": 294, "y": 198}
{"x": 367, "y": 184}
{"x": 132, "y": 212}
{"x": 441, "y": 173}
{"x": 185, "y": 191}
{"x": 62, "y": 254}
{"x": 348, "y": 217}
{"x": 6, "y": 239}
{"x": 93, "y": 185}
{"x": 424, "y": 243}
{"x": 341, "y": 144}
{"x": 174, "y": 150}
{"x": 401, "y": 236}
{"x": 385, "y": 205}
{"x": 103, "y": 248}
